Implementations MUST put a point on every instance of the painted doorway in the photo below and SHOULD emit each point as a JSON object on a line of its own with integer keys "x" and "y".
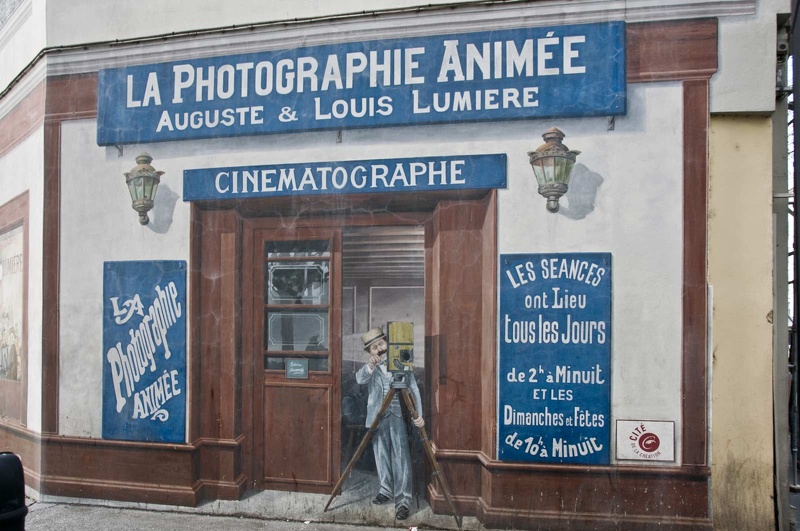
{"x": 383, "y": 279}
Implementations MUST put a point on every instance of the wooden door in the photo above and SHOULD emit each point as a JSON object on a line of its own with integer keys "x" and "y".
{"x": 297, "y": 316}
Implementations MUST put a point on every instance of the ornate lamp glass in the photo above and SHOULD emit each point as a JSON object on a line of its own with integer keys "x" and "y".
{"x": 552, "y": 164}
{"x": 143, "y": 181}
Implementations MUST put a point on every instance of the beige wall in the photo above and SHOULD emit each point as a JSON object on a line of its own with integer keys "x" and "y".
{"x": 740, "y": 271}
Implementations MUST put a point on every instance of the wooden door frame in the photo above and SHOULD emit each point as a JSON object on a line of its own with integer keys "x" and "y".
{"x": 257, "y": 234}
{"x": 251, "y": 344}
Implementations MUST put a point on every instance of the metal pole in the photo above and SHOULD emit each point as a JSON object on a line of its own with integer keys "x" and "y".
{"x": 795, "y": 46}
{"x": 781, "y": 370}
{"x": 795, "y": 430}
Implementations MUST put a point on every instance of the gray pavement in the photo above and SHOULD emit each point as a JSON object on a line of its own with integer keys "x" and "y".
{"x": 110, "y": 516}
{"x": 58, "y": 517}
{"x": 263, "y": 510}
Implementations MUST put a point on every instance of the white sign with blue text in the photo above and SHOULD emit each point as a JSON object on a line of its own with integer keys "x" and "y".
{"x": 554, "y": 375}
{"x": 558, "y": 71}
{"x": 417, "y": 174}
{"x": 144, "y": 351}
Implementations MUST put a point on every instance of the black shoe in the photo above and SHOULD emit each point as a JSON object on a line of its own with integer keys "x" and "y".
{"x": 380, "y": 499}
{"x": 402, "y": 513}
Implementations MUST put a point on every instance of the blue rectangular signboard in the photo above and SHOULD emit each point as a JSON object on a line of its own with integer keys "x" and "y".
{"x": 559, "y": 71}
{"x": 347, "y": 177}
{"x": 555, "y": 358}
{"x": 144, "y": 351}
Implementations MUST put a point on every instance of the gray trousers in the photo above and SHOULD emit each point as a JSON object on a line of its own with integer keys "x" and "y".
{"x": 393, "y": 460}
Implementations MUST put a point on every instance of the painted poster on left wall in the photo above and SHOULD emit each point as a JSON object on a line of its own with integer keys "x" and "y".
{"x": 11, "y": 304}
{"x": 144, "y": 351}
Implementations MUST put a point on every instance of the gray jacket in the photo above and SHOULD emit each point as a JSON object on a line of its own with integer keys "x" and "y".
{"x": 375, "y": 397}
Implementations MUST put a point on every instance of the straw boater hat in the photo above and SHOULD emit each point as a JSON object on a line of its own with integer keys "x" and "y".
{"x": 371, "y": 336}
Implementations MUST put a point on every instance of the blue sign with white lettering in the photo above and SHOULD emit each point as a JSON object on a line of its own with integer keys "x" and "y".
{"x": 555, "y": 358}
{"x": 560, "y": 71}
{"x": 347, "y": 177}
{"x": 144, "y": 351}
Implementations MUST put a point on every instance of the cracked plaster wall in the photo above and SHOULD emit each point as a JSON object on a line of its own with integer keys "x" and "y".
{"x": 626, "y": 201}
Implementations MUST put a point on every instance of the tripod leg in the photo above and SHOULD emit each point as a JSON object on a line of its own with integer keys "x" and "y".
{"x": 431, "y": 456}
{"x": 361, "y": 447}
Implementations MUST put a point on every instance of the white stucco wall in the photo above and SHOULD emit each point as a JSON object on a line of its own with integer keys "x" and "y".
{"x": 21, "y": 38}
{"x": 21, "y": 170}
{"x": 123, "y": 20}
{"x": 103, "y": 227}
{"x": 637, "y": 217}
{"x": 745, "y": 80}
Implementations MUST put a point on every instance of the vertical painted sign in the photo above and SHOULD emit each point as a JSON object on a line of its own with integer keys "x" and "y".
{"x": 555, "y": 356}
{"x": 11, "y": 303}
{"x": 144, "y": 351}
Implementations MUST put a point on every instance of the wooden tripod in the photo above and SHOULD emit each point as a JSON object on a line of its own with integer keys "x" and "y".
{"x": 398, "y": 382}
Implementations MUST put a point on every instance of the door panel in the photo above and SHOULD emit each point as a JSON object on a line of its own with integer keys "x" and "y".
{"x": 297, "y": 307}
{"x": 300, "y": 451}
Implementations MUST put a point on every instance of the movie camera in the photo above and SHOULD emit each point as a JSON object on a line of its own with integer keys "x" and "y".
{"x": 400, "y": 346}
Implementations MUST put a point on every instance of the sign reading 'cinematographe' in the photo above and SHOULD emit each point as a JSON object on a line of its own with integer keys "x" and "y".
{"x": 555, "y": 356}
{"x": 144, "y": 351}
{"x": 575, "y": 70}
{"x": 347, "y": 177}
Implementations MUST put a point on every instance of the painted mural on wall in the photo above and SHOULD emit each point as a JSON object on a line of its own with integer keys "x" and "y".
{"x": 555, "y": 355}
{"x": 382, "y": 286}
{"x": 11, "y": 304}
{"x": 144, "y": 351}
{"x": 559, "y": 71}
{"x": 385, "y": 368}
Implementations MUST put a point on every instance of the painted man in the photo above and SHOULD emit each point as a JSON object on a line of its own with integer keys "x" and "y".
{"x": 390, "y": 441}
